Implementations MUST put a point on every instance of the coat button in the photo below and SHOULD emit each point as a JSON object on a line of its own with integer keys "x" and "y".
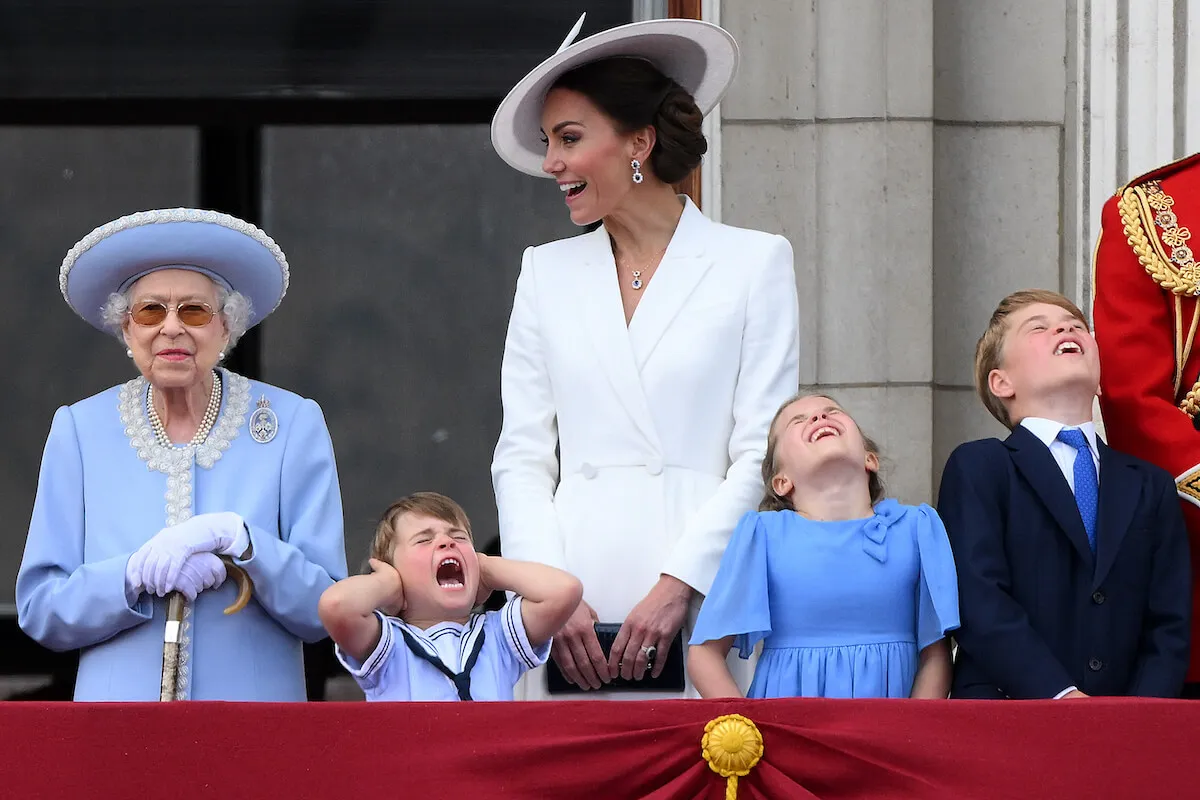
{"x": 1098, "y": 597}
{"x": 654, "y": 465}
{"x": 587, "y": 471}
{"x": 1095, "y": 665}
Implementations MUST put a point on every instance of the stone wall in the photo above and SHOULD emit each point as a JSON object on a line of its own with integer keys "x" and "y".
{"x": 919, "y": 154}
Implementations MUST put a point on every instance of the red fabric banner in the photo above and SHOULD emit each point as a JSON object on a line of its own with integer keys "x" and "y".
{"x": 470, "y": 751}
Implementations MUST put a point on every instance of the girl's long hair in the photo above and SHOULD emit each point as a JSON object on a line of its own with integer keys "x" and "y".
{"x": 774, "y": 502}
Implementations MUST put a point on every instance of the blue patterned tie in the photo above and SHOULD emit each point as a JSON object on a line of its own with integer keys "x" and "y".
{"x": 1087, "y": 486}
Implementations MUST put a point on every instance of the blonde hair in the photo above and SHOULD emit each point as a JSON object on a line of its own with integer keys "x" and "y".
{"x": 430, "y": 504}
{"x": 771, "y": 501}
{"x": 989, "y": 350}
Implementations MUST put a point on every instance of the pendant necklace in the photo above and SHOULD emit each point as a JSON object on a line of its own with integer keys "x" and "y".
{"x": 636, "y": 282}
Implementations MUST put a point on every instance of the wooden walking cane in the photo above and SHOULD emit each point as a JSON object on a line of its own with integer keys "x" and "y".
{"x": 173, "y": 630}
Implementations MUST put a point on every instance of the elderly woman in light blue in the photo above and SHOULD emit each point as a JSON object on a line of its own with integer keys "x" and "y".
{"x": 150, "y": 488}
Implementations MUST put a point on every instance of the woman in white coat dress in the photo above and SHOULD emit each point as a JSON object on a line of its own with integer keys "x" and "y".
{"x": 650, "y": 353}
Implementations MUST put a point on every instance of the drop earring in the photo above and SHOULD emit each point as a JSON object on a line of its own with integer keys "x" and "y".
{"x": 637, "y": 171}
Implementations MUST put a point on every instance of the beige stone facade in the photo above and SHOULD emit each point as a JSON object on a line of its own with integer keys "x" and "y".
{"x": 927, "y": 157}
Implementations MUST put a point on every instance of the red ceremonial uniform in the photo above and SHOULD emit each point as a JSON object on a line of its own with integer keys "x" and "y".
{"x": 1145, "y": 281}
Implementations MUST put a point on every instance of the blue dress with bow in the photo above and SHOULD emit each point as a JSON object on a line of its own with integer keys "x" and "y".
{"x": 843, "y": 609}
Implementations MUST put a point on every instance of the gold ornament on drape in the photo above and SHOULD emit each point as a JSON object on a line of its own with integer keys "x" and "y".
{"x": 732, "y": 746}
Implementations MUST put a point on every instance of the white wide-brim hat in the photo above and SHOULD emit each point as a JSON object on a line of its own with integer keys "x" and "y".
{"x": 232, "y": 252}
{"x": 699, "y": 56}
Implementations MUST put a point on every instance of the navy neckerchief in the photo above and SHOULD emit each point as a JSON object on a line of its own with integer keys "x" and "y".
{"x": 462, "y": 680}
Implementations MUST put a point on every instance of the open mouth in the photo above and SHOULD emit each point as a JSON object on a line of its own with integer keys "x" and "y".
{"x": 823, "y": 432}
{"x": 450, "y": 574}
{"x": 1068, "y": 348}
{"x": 573, "y": 189}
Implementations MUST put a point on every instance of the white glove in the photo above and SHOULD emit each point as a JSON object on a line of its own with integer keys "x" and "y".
{"x": 156, "y": 564}
{"x": 201, "y": 571}
{"x": 133, "y": 576}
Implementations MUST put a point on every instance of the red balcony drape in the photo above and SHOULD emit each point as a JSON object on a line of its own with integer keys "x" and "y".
{"x": 466, "y": 751}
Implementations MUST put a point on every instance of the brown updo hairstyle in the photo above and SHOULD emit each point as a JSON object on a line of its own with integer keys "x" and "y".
{"x": 634, "y": 94}
{"x": 774, "y": 502}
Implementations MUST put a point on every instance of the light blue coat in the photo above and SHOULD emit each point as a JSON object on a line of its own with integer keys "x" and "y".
{"x": 106, "y": 486}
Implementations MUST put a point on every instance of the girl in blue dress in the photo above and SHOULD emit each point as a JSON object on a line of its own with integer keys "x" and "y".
{"x": 851, "y": 595}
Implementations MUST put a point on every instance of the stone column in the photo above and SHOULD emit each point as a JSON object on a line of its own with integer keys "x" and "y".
{"x": 1000, "y": 101}
{"x": 827, "y": 138}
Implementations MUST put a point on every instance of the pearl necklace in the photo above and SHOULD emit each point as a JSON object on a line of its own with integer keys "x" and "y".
{"x": 206, "y": 423}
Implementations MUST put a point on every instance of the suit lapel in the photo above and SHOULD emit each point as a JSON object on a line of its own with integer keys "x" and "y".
{"x": 1119, "y": 493}
{"x": 599, "y": 298}
{"x": 683, "y": 266}
{"x": 1034, "y": 461}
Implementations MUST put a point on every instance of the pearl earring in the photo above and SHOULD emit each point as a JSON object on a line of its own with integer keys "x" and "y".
{"x": 637, "y": 171}
{"x": 128, "y": 352}
{"x": 221, "y": 356}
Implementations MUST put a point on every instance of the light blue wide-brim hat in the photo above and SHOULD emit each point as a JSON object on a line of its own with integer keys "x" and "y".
{"x": 234, "y": 253}
{"x": 699, "y": 56}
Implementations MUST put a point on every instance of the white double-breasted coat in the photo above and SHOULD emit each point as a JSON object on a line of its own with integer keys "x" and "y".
{"x": 660, "y": 426}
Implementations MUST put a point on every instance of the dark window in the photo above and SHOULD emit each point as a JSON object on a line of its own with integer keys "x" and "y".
{"x": 355, "y": 133}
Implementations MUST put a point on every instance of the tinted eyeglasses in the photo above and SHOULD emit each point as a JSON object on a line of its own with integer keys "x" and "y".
{"x": 192, "y": 313}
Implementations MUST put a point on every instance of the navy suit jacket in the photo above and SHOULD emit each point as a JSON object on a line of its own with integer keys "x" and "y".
{"x": 1039, "y": 612}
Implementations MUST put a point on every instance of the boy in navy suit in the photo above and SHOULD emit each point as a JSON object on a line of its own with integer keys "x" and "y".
{"x": 1073, "y": 567}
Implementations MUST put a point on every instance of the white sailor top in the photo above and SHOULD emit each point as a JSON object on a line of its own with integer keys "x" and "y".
{"x": 480, "y": 660}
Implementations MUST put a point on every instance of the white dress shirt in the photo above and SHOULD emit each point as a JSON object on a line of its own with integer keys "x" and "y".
{"x": 1047, "y": 431}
